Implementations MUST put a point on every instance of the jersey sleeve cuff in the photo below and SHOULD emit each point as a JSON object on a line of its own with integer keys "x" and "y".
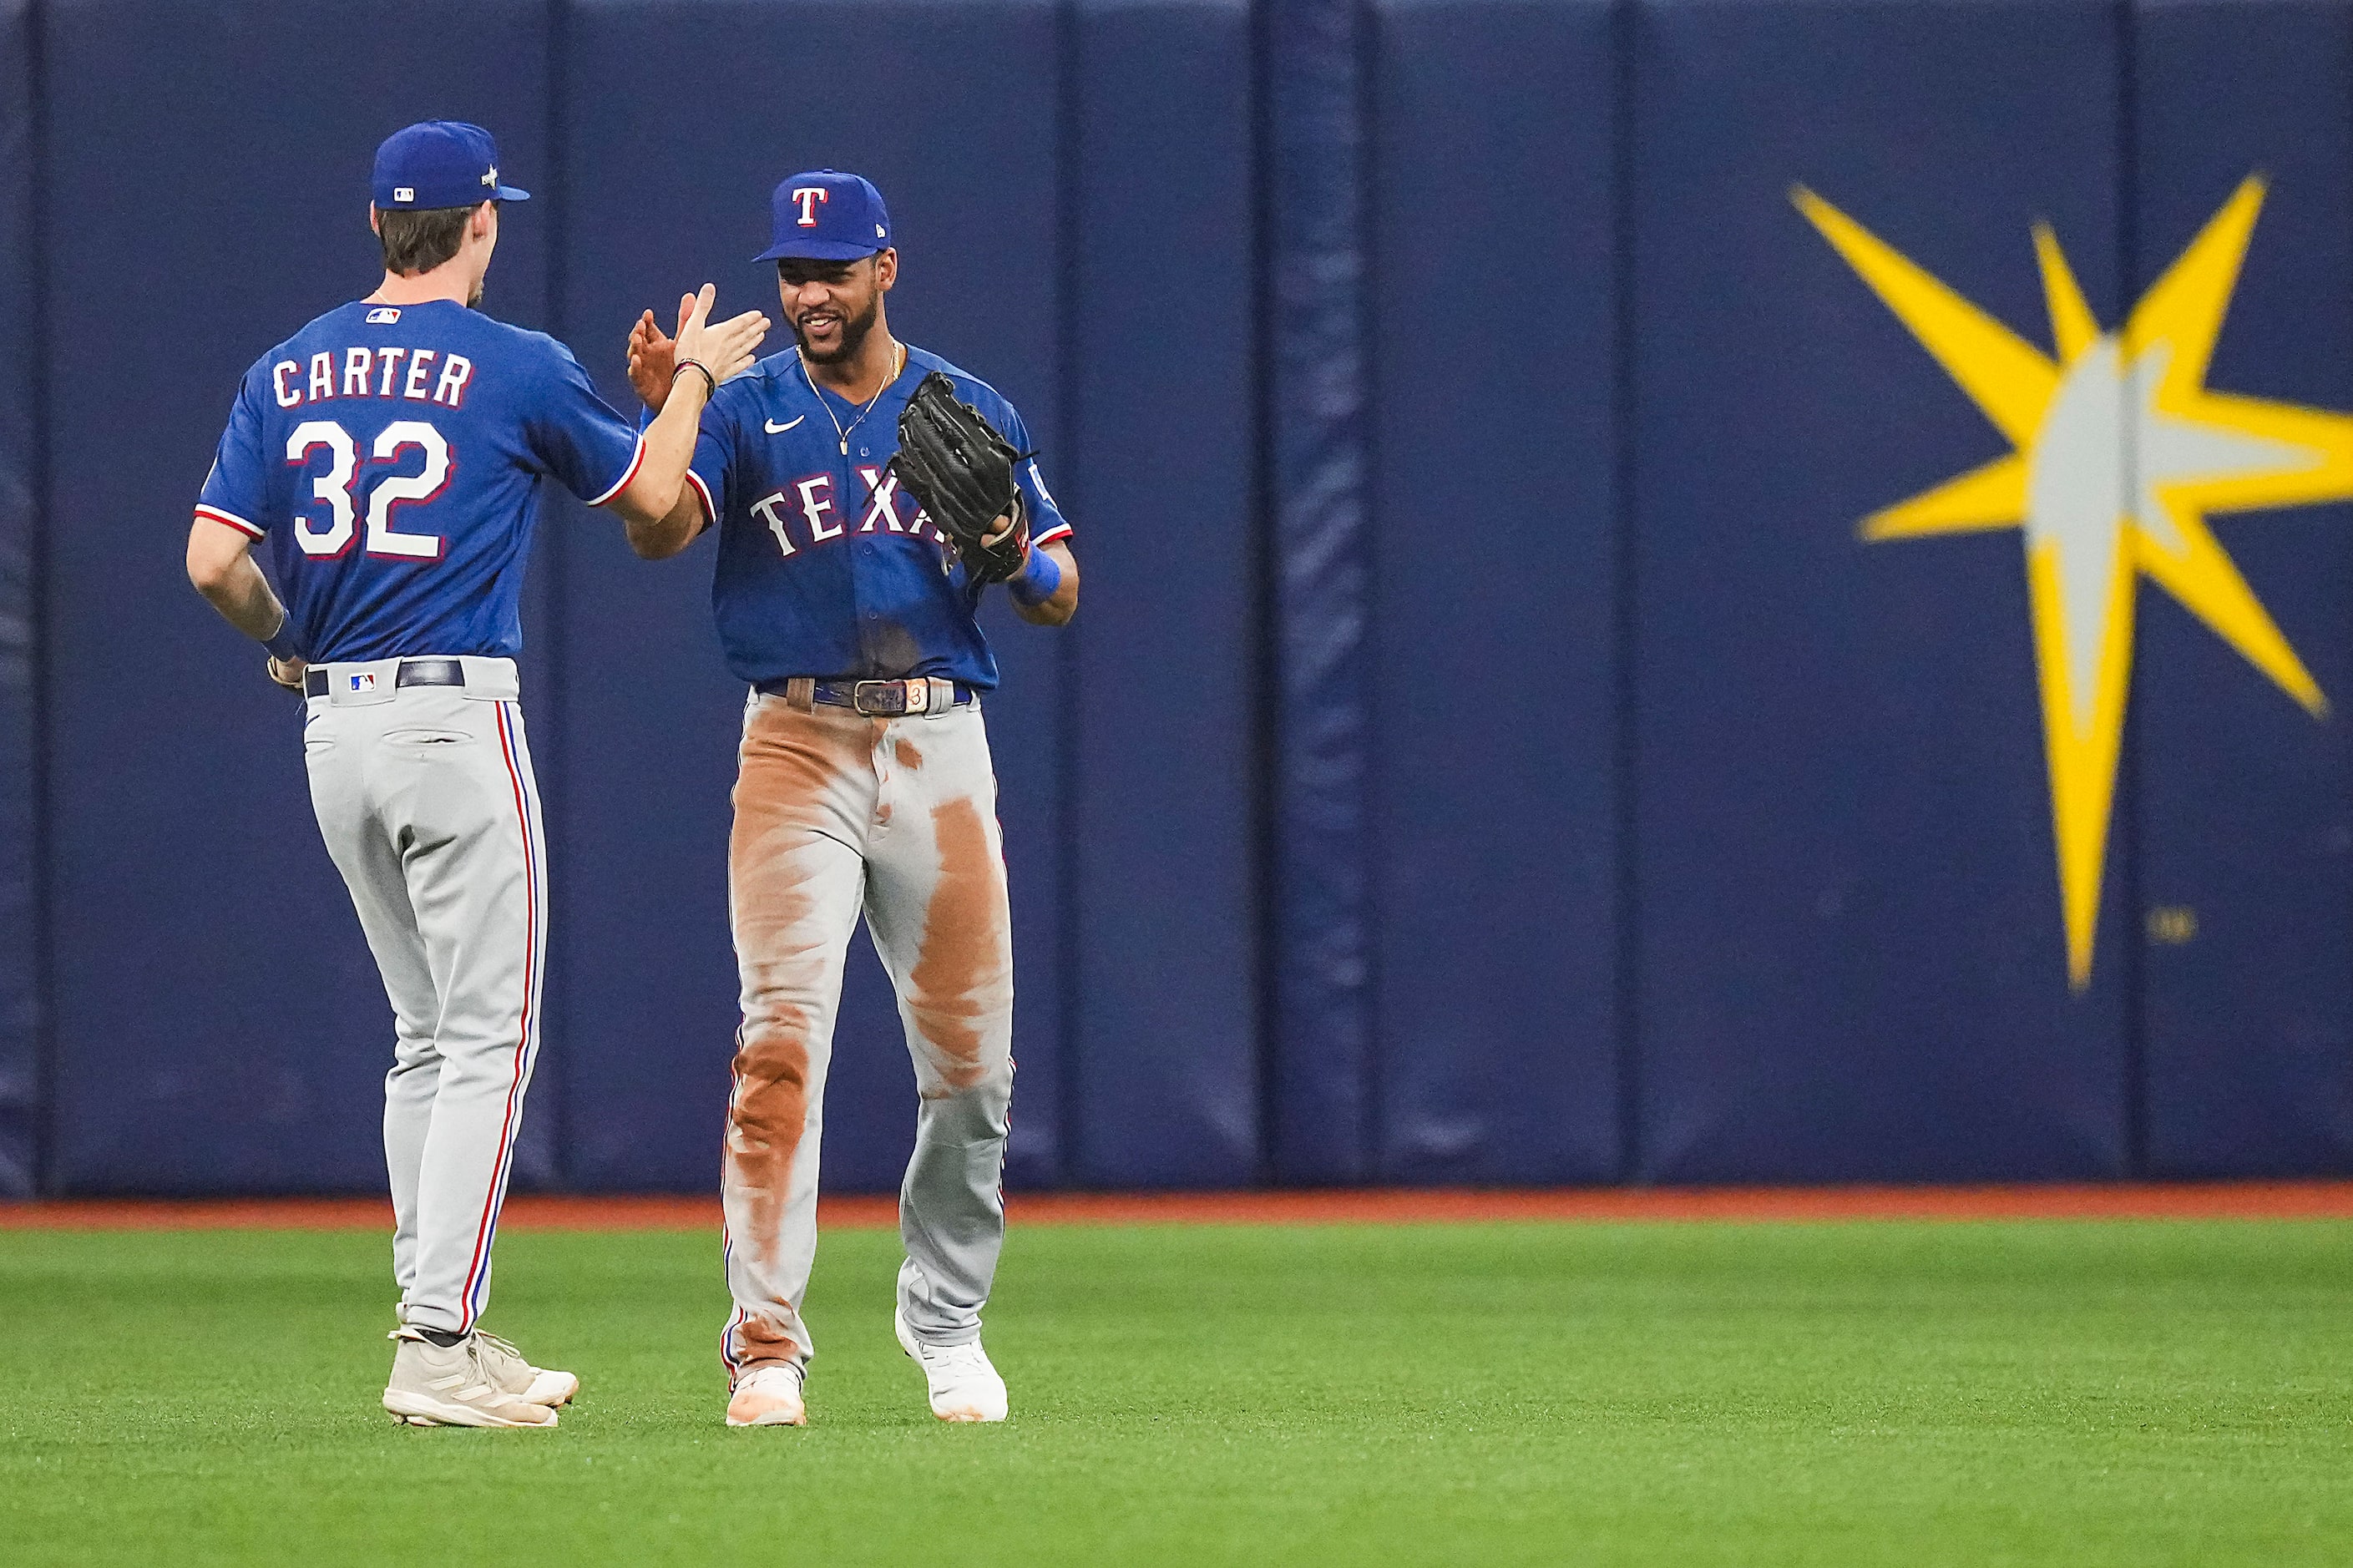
{"x": 1061, "y": 531}
{"x": 637, "y": 461}
{"x": 710, "y": 508}
{"x": 230, "y": 518}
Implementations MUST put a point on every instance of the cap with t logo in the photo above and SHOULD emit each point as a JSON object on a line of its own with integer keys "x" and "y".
{"x": 440, "y": 164}
{"x": 828, "y": 216}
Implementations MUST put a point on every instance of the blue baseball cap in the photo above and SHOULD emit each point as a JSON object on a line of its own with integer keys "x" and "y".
{"x": 440, "y": 164}
{"x": 828, "y": 216}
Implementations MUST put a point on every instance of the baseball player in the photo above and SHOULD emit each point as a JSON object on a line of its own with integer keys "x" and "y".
{"x": 392, "y": 453}
{"x": 866, "y": 493}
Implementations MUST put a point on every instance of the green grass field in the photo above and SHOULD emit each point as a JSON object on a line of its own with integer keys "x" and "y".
{"x": 2129, "y": 1393}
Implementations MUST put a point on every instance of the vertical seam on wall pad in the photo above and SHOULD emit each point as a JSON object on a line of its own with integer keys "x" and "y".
{"x": 1626, "y": 972}
{"x": 2133, "y": 1010}
{"x": 1366, "y": 19}
{"x": 548, "y": 698}
{"x": 38, "y": 664}
{"x": 1069, "y": 666}
{"x": 1322, "y": 1023}
{"x": 1265, "y": 640}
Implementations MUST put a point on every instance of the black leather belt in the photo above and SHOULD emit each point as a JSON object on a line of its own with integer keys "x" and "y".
{"x": 413, "y": 672}
{"x": 874, "y": 698}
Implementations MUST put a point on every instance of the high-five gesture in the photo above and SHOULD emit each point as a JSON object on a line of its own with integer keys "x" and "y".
{"x": 724, "y": 349}
{"x": 721, "y": 348}
{"x": 657, "y": 502}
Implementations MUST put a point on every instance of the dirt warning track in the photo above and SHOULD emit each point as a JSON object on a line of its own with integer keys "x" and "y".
{"x": 2225, "y": 1200}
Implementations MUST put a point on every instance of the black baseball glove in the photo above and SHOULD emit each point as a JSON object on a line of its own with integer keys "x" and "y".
{"x": 960, "y": 471}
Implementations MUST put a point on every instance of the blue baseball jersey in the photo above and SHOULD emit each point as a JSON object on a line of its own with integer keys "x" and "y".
{"x": 825, "y": 569}
{"x": 392, "y": 456}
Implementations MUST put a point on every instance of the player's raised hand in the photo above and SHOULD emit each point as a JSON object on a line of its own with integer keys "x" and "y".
{"x": 743, "y": 335}
{"x": 724, "y": 348}
{"x": 653, "y": 360}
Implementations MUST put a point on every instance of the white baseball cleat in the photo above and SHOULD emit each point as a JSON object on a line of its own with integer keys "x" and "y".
{"x": 433, "y": 1385}
{"x": 964, "y": 1386}
{"x": 768, "y": 1396}
{"x": 532, "y": 1385}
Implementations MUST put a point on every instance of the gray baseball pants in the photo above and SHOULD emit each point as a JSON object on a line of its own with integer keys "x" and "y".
{"x": 425, "y": 798}
{"x": 838, "y": 815}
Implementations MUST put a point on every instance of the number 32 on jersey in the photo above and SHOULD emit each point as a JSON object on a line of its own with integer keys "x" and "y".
{"x": 326, "y": 538}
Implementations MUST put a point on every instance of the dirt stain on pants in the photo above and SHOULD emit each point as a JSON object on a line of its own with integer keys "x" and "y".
{"x": 789, "y": 770}
{"x": 837, "y": 819}
{"x": 963, "y": 968}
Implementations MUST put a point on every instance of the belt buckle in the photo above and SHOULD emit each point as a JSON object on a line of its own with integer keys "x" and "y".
{"x": 927, "y": 695}
{"x": 882, "y": 698}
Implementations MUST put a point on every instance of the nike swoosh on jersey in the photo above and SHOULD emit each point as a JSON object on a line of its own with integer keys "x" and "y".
{"x": 777, "y": 429}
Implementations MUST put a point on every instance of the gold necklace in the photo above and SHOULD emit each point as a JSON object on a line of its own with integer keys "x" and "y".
{"x": 898, "y": 369}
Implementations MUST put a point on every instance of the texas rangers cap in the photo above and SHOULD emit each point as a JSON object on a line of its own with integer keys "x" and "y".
{"x": 829, "y": 215}
{"x": 440, "y": 164}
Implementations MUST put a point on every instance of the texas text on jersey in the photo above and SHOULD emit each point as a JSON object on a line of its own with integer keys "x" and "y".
{"x": 824, "y": 567}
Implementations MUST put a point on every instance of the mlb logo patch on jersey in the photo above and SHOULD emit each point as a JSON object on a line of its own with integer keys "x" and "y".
{"x": 364, "y": 680}
{"x": 383, "y": 316}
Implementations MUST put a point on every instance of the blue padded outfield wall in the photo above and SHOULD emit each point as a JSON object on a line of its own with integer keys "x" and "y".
{"x": 1542, "y": 711}
{"x": 1846, "y": 928}
{"x": 2244, "y": 808}
{"x": 20, "y": 479}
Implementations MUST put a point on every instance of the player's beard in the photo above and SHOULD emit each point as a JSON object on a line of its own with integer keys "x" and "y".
{"x": 474, "y": 295}
{"x": 853, "y": 335}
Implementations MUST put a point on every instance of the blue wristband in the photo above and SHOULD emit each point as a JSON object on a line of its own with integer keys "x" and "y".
{"x": 1038, "y": 579}
{"x": 282, "y": 645}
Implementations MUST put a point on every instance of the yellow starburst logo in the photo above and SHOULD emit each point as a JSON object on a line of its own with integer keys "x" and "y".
{"x": 2120, "y": 454}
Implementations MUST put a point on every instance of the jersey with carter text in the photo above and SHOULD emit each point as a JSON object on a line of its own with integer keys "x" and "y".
{"x": 392, "y": 456}
{"x": 825, "y": 569}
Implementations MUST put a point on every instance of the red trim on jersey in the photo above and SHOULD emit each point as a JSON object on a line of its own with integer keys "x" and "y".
{"x": 231, "y": 518}
{"x": 637, "y": 461}
{"x": 477, "y": 1268}
{"x": 710, "y": 507}
{"x": 1059, "y": 531}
